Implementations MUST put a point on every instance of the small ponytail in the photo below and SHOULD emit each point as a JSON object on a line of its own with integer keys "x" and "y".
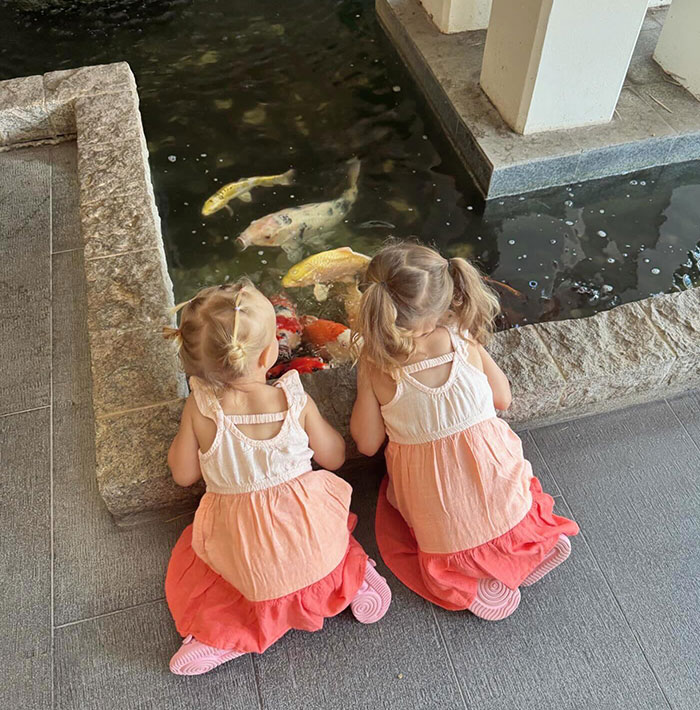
{"x": 474, "y": 304}
{"x": 220, "y": 330}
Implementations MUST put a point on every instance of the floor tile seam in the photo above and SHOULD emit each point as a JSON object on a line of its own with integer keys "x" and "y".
{"x": 114, "y": 612}
{"x": 256, "y": 679}
{"x": 24, "y": 411}
{"x": 446, "y": 648}
{"x": 560, "y": 493}
{"x": 626, "y": 619}
{"x": 678, "y": 419}
{"x": 51, "y": 442}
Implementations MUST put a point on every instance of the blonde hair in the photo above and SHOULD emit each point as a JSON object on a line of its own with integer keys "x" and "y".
{"x": 406, "y": 283}
{"x": 220, "y": 330}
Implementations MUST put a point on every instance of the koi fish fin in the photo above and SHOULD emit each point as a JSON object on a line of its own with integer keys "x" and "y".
{"x": 245, "y": 197}
{"x": 353, "y": 172}
{"x": 229, "y": 210}
{"x": 293, "y": 250}
{"x": 321, "y": 292}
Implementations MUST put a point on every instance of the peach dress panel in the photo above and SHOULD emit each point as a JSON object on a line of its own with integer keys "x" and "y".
{"x": 268, "y": 524}
{"x": 457, "y": 472}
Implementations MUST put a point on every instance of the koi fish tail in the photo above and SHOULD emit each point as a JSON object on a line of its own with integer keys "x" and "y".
{"x": 287, "y": 178}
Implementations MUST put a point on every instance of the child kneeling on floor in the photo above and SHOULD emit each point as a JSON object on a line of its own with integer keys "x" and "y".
{"x": 270, "y": 548}
{"x": 461, "y": 520}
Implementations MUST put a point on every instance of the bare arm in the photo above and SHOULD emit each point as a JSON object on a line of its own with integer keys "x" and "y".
{"x": 497, "y": 379}
{"x": 366, "y": 422}
{"x": 183, "y": 456}
{"x": 327, "y": 444}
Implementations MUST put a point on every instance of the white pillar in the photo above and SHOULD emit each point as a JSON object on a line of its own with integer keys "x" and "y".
{"x": 678, "y": 50}
{"x": 458, "y": 15}
{"x": 552, "y": 64}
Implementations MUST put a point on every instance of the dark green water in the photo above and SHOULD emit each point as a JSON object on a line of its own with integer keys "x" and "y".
{"x": 253, "y": 87}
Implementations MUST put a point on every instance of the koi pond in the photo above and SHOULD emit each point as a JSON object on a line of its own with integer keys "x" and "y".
{"x": 233, "y": 90}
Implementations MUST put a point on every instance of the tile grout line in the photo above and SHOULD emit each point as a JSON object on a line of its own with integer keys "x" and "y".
{"x": 449, "y": 657}
{"x": 608, "y": 585}
{"x": 256, "y": 678}
{"x": 51, "y": 434}
{"x": 690, "y": 436}
{"x": 624, "y": 616}
{"x": 109, "y": 613}
{"x": 25, "y": 411}
{"x": 549, "y": 470}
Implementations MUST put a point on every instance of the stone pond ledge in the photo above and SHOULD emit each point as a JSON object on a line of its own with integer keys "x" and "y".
{"x": 560, "y": 370}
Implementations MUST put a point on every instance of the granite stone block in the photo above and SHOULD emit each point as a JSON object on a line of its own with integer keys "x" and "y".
{"x": 65, "y": 85}
{"x": 128, "y": 291}
{"x": 608, "y": 357}
{"x": 676, "y": 316}
{"x": 107, "y": 118}
{"x": 536, "y": 382}
{"x": 23, "y": 115}
{"x": 132, "y": 470}
{"x": 131, "y": 369}
{"x": 113, "y": 169}
{"x": 119, "y": 224}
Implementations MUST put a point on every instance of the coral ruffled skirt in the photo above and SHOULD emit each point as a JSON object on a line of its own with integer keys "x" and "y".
{"x": 450, "y": 579}
{"x": 205, "y": 605}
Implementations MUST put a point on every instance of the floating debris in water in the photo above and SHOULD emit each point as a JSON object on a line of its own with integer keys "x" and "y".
{"x": 396, "y": 89}
{"x": 611, "y": 260}
{"x": 569, "y": 222}
{"x": 532, "y": 284}
{"x": 552, "y": 241}
{"x": 633, "y": 182}
{"x": 601, "y": 233}
{"x": 511, "y": 241}
{"x": 606, "y": 288}
{"x": 646, "y": 260}
{"x": 223, "y": 103}
{"x": 601, "y": 211}
{"x": 642, "y": 182}
{"x": 655, "y": 271}
{"x": 568, "y": 203}
{"x": 687, "y": 281}
{"x": 172, "y": 159}
{"x": 255, "y": 116}
{"x": 469, "y": 207}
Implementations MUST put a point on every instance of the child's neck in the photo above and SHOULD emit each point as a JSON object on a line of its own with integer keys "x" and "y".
{"x": 250, "y": 381}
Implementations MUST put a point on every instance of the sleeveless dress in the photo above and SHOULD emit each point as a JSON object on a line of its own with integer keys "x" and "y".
{"x": 459, "y": 503}
{"x": 270, "y": 547}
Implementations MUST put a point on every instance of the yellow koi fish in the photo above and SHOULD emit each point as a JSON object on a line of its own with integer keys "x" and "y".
{"x": 240, "y": 190}
{"x": 326, "y": 267}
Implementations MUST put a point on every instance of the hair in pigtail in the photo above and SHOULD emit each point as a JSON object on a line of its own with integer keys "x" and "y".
{"x": 474, "y": 304}
{"x": 219, "y": 332}
{"x": 382, "y": 342}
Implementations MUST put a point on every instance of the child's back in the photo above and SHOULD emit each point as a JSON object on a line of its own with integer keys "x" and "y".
{"x": 460, "y": 518}
{"x": 449, "y": 438}
{"x": 270, "y": 548}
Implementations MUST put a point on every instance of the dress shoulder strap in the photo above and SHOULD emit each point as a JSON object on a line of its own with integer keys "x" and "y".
{"x": 459, "y": 339}
{"x": 296, "y": 395}
{"x": 207, "y": 402}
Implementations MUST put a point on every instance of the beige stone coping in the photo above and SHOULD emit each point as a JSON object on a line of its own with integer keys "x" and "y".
{"x": 562, "y": 370}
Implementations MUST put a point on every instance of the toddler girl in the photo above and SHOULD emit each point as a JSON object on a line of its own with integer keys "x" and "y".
{"x": 270, "y": 547}
{"x": 461, "y": 520}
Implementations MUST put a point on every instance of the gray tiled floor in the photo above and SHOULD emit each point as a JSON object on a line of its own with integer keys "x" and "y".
{"x": 83, "y": 620}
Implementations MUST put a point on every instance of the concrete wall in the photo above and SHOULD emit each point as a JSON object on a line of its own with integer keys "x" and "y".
{"x": 678, "y": 49}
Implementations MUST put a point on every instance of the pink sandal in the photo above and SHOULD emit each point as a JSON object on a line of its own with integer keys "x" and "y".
{"x": 557, "y": 555}
{"x": 373, "y": 597}
{"x": 494, "y": 601}
{"x": 195, "y": 657}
